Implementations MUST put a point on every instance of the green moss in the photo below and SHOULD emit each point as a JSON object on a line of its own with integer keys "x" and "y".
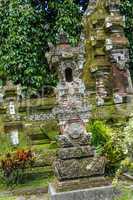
{"x": 8, "y": 198}
{"x": 30, "y": 184}
{"x": 6, "y": 146}
{"x": 51, "y": 129}
{"x": 95, "y": 47}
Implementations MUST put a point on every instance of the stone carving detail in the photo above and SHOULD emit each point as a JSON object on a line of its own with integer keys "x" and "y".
{"x": 76, "y": 155}
{"x": 76, "y": 152}
{"x": 79, "y": 168}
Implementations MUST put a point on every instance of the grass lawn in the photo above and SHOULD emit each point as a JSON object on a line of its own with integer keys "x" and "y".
{"x": 8, "y": 198}
{"x": 29, "y": 184}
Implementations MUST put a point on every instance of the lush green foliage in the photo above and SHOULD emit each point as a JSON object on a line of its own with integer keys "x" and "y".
{"x": 67, "y": 21}
{"x": 108, "y": 142}
{"x": 114, "y": 151}
{"x": 127, "y": 11}
{"x": 25, "y": 33}
{"x": 126, "y": 195}
{"x": 127, "y": 163}
{"x": 128, "y": 132}
{"x": 100, "y": 133}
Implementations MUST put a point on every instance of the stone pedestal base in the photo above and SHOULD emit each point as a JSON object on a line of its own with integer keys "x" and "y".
{"x": 107, "y": 192}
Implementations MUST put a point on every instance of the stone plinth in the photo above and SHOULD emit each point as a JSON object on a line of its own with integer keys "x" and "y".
{"x": 97, "y": 193}
{"x": 76, "y": 152}
{"x": 78, "y": 168}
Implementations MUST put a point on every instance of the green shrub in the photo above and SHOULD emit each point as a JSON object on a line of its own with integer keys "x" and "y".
{"x": 127, "y": 194}
{"x": 100, "y": 133}
{"x": 114, "y": 151}
{"x": 108, "y": 143}
{"x": 24, "y": 36}
{"x": 128, "y": 133}
{"x": 50, "y": 129}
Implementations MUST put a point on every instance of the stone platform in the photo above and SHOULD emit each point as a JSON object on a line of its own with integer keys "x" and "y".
{"x": 96, "y": 193}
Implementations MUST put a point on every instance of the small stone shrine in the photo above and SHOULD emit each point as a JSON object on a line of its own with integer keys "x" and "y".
{"x": 77, "y": 167}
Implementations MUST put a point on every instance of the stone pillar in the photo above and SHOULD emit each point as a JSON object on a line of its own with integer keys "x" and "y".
{"x": 12, "y": 122}
{"x": 10, "y": 96}
{"x": 106, "y": 51}
{"x": 77, "y": 167}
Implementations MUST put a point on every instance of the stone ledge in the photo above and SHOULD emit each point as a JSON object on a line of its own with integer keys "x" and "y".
{"x": 76, "y": 152}
{"x": 97, "y": 193}
{"x": 80, "y": 168}
{"x": 81, "y": 183}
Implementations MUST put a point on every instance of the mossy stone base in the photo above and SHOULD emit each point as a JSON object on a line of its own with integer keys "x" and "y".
{"x": 96, "y": 193}
{"x": 81, "y": 183}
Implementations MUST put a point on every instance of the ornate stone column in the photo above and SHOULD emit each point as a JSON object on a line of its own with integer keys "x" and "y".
{"x": 77, "y": 167}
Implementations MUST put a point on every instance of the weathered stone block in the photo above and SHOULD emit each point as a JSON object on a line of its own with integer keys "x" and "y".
{"x": 76, "y": 152}
{"x": 79, "y": 168}
{"x": 81, "y": 183}
{"x": 97, "y": 193}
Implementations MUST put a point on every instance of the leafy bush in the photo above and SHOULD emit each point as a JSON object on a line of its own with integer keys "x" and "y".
{"x": 13, "y": 166}
{"x": 128, "y": 132}
{"x": 100, "y": 133}
{"x": 26, "y": 29}
{"x": 108, "y": 143}
{"x": 114, "y": 151}
{"x": 127, "y": 164}
{"x": 127, "y": 194}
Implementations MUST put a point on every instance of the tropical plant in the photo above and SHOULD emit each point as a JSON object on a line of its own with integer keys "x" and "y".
{"x": 114, "y": 151}
{"x": 26, "y": 28}
{"x": 100, "y": 133}
{"x": 13, "y": 166}
{"x": 127, "y": 194}
{"x": 127, "y": 131}
{"x": 109, "y": 143}
{"x": 127, "y": 163}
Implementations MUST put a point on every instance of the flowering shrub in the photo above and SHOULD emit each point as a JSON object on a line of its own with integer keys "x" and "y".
{"x": 13, "y": 166}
